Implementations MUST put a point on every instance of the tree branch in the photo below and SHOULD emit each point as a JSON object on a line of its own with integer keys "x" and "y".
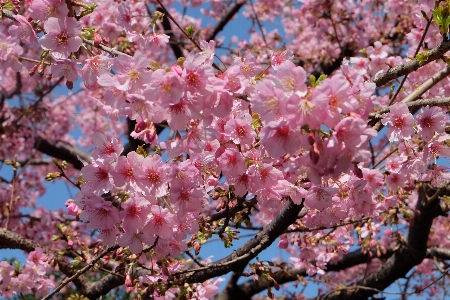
{"x": 225, "y": 19}
{"x": 246, "y": 252}
{"x": 61, "y": 151}
{"x": 348, "y": 260}
{"x": 81, "y": 272}
{"x": 411, "y": 65}
{"x": 374, "y": 118}
{"x": 407, "y": 254}
{"x": 12, "y": 240}
{"x": 428, "y": 84}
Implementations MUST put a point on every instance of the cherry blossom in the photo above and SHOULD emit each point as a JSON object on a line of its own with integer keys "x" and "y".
{"x": 401, "y": 122}
{"x": 62, "y": 37}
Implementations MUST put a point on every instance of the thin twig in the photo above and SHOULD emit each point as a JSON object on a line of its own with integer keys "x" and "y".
{"x": 259, "y": 24}
{"x": 195, "y": 259}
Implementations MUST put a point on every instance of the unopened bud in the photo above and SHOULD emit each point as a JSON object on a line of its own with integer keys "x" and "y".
{"x": 33, "y": 70}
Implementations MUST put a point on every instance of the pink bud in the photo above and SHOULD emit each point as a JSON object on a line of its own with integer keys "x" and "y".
{"x": 212, "y": 181}
{"x": 283, "y": 243}
{"x": 176, "y": 69}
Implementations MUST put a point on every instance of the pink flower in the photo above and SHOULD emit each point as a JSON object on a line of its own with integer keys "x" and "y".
{"x": 22, "y": 284}
{"x": 310, "y": 110}
{"x": 336, "y": 89}
{"x": 186, "y": 198}
{"x": 9, "y": 53}
{"x": 133, "y": 240}
{"x": 158, "y": 39}
{"x": 263, "y": 177}
{"x": 279, "y": 58}
{"x": 132, "y": 72}
{"x": 160, "y": 222}
{"x": 62, "y": 36}
{"x": 93, "y": 68}
{"x": 44, "y": 9}
{"x": 208, "y": 50}
{"x": 167, "y": 87}
{"x": 401, "y": 122}
{"x": 6, "y": 272}
{"x": 239, "y": 130}
{"x": 438, "y": 176}
{"x": 123, "y": 173}
{"x": 97, "y": 176}
{"x": 374, "y": 178}
{"x": 279, "y": 138}
{"x": 231, "y": 162}
{"x": 72, "y": 208}
{"x": 65, "y": 68}
{"x": 394, "y": 163}
{"x": 106, "y": 148}
{"x": 196, "y": 74}
{"x": 268, "y": 101}
{"x": 437, "y": 148}
{"x": 152, "y": 176}
{"x": 353, "y": 132}
{"x": 319, "y": 197}
{"x": 24, "y": 31}
{"x": 100, "y": 214}
{"x": 108, "y": 236}
{"x": 291, "y": 78}
{"x": 429, "y": 121}
{"x": 124, "y": 16}
{"x": 395, "y": 180}
{"x": 248, "y": 65}
{"x": 145, "y": 131}
{"x": 135, "y": 213}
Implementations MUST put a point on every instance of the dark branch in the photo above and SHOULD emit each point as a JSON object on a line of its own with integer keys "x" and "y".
{"x": 349, "y": 260}
{"x": 407, "y": 254}
{"x": 177, "y": 51}
{"x": 239, "y": 258}
{"x": 224, "y": 21}
{"x": 61, "y": 151}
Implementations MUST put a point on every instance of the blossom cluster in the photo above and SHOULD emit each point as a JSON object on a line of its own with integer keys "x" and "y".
{"x": 32, "y": 278}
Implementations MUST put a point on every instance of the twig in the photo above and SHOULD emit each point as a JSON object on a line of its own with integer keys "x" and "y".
{"x": 195, "y": 259}
{"x": 194, "y": 42}
{"x": 258, "y": 23}
{"x": 386, "y": 156}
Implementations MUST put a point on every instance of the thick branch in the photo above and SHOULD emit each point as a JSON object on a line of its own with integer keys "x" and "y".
{"x": 411, "y": 65}
{"x": 246, "y": 252}
{"x": 349, "y": 260}
{"x": 61, "y": 151}
{"x": 408, "y": 253}
{"x": 12, "y": 240}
